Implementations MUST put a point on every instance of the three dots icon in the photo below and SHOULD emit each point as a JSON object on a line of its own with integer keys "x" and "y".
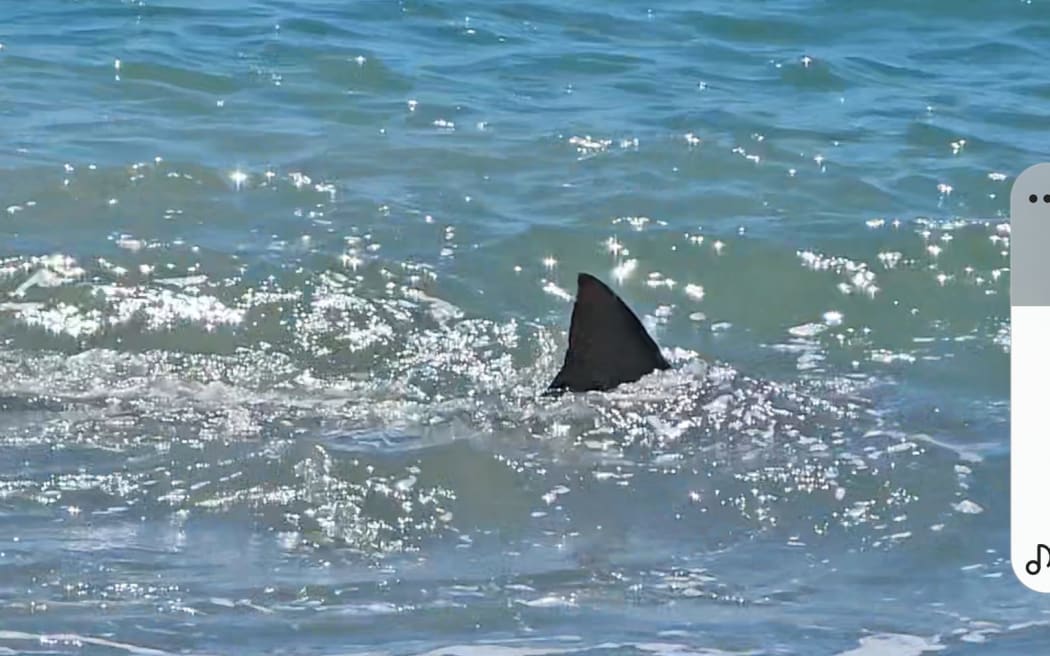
{"x": 1035, "y": 199}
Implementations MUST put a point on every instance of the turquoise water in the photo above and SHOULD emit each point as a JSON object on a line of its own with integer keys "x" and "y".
{"x": 280, "y": 283}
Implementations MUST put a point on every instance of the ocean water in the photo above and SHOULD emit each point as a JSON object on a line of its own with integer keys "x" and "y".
{"x": 281, "y": 282}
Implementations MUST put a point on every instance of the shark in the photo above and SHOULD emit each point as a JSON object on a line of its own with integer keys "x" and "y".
{"x": 608, "y": 345}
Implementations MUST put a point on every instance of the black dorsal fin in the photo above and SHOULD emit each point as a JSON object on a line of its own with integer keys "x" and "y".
{"x": 608, "y": 345}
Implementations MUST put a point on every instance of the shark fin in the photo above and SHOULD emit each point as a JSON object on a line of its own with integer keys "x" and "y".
{"x": 608, "y": 345}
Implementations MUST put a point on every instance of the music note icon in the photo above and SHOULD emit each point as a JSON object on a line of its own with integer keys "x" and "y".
{"x": 1034, "y": 566}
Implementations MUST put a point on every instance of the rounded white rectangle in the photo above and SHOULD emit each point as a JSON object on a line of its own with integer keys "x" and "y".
{"x": 1030, "y": 446}
{"x": 1029, "y": 372}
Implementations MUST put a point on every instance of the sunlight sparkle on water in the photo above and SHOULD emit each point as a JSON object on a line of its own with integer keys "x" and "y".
{"x": 239, "y": 178}
{"x": 624, "y": 270}
{"x": 553, "y": 289}
{"x": 351, "y": 260}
